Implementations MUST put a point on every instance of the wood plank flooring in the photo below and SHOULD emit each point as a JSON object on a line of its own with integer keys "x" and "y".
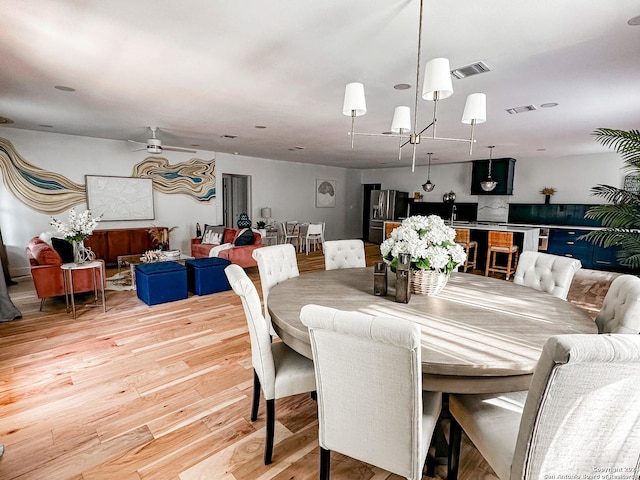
{"x": 162, "y": 392}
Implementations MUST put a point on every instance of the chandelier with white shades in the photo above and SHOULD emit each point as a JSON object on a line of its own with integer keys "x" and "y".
{"x": 437, "y": 86}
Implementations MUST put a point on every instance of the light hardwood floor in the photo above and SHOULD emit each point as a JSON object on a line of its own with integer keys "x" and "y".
{"x": 162, "y": 392}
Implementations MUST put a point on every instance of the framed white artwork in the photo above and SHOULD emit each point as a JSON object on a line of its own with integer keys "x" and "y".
{"x": 120, "y": 198}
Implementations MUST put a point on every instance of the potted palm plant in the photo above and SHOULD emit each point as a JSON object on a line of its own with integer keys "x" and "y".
{"x": 620, "y": 216}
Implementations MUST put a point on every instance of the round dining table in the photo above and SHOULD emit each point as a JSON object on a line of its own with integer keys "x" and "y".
{"x": 479, "y": 334}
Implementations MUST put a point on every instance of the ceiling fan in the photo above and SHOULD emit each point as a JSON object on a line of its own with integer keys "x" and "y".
{"x": 154, "y": 145}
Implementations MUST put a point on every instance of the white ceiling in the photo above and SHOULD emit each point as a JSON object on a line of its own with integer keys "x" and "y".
{"x": 201, "y": 69}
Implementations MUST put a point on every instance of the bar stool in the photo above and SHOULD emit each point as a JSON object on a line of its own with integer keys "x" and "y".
{"x": 501, "y": 242}
{"x": 463, "y": 238}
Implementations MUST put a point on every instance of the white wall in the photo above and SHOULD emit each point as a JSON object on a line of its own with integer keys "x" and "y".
{"x": 572, "y": 177}
{"x": 287, "y": 188}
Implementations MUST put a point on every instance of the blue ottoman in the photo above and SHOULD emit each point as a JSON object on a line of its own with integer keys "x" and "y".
{"x": 161, "y": 282}
{"x": 206, "y": 275}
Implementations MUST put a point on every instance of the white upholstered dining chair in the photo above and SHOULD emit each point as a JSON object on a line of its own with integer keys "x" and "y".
{"x": 371, "y": 405}
{"x": 277, "y": 369}
{"x": 620, "y": 312}
{"x": 579, "y": 417}
{"x": 344, "y": 254}
{"x": 547, "y": 273}
{"x": 276, "y": 264}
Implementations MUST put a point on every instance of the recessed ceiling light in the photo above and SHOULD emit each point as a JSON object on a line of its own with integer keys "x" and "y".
{"x": 402, "y": 86}
{"x": 235, "y": 153}
{"x": 549, "y": 105}
{"x": 260, "y": 126}
{"x": 46, "y": 126}
{"x": 5, "y": 121}
{"x": 541, "y": 149}
{"x": 64, "y": 89}
{"x": 635, "y": 21}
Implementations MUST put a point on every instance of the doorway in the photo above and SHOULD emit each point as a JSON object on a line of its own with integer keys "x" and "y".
{"x": 236, "y": 198}
{"x": 366, "y": 207}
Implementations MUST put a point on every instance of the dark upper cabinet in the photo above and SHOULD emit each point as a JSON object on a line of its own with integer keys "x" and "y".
{"x": 502, "y": 171}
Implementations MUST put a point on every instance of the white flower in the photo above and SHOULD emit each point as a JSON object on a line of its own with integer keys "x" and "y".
{"x": 429, "y": 241}
{"x": 78, "y": 226}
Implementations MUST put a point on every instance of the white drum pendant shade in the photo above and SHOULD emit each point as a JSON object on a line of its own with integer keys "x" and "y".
{"x": 401, "y": 120}
{"x": 437, "y": 80}
{"x": 354, "y": 102}
{"x": 475, "y": 109}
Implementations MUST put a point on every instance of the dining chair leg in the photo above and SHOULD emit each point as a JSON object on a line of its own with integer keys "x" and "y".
{"x": 455, "y": 438}
{"x": 271, "y": 427}
{"x": 256, "y": 397}
{"x": 42, "y": 303}
{"x": 325, "y": 463}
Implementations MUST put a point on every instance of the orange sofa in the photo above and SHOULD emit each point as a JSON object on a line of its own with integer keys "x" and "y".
{"x": 47, "y": 274}
{"x": 240, "y": 255}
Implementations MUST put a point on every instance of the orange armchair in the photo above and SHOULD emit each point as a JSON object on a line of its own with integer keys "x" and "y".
{"x": 47, "y": 274}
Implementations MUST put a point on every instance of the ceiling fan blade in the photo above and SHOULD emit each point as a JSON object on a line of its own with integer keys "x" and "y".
{"x": 177, "y": 149}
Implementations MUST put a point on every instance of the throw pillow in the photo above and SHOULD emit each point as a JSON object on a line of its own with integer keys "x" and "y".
{"x": 45, "y": 254}
{"x": 244, "y": 238}
{"x": 64, "y": 249}
{"x": 212, "y": 234}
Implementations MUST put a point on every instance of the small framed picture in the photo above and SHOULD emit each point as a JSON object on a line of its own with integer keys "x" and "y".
{"x": 325, "y": 193}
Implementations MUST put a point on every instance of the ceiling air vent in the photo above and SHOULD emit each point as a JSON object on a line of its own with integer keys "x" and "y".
{"x": 526, "y": 108}
{"x": 469, "y": 70}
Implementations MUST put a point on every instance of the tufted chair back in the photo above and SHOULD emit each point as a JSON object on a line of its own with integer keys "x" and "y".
{"x": 276, "y": 264}
{"x": 620, "y": 312}
{"x": 548, "y": 273}
{"x": 371, "y": 405}
{"x": 261, "y": 355}
{"x": 344, "y": 254}
{"x": 278, "y": 370}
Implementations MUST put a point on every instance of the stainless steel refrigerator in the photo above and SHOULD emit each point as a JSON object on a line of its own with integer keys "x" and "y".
{"x": 385, "y": 205}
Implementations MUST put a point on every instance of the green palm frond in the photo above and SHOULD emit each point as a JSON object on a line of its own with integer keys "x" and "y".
{"x": 615, "y": 215}
{"x": 615, "y": 195}
{"x": 621, "y": 215}
{"x": 626, "y": 143}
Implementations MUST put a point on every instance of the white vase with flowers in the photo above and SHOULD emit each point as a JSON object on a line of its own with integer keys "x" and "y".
{"x": 75, "y": 230}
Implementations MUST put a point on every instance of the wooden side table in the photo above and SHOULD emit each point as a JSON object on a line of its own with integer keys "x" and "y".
{"x": 67, "y": 276}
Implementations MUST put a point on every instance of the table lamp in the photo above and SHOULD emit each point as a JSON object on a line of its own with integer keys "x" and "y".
{"x": 265, "y": 213}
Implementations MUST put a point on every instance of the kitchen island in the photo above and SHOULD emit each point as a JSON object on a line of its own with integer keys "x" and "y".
{"x": 526, "y": 237}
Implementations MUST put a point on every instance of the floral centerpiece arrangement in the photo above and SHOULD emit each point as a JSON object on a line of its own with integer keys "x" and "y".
{"x": 77, "y": 228}
{"x": 434, "y": 252}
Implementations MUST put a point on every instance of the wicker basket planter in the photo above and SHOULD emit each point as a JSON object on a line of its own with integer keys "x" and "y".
{"x": 428, "y": 282}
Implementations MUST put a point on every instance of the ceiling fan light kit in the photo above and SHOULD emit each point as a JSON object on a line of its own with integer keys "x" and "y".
{"x": 437, "y": 86}
{"x": 155, "y": 147}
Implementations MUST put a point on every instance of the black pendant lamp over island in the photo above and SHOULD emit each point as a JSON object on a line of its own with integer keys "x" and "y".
{"x": 489, "y": 184}
{"x": 428, "y": 186}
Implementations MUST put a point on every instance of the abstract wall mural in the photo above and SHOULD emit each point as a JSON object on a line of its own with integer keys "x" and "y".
{"x": 52, "y": 193}
{"x": 195, "y": 177}
{"x": 39, "y": 189}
